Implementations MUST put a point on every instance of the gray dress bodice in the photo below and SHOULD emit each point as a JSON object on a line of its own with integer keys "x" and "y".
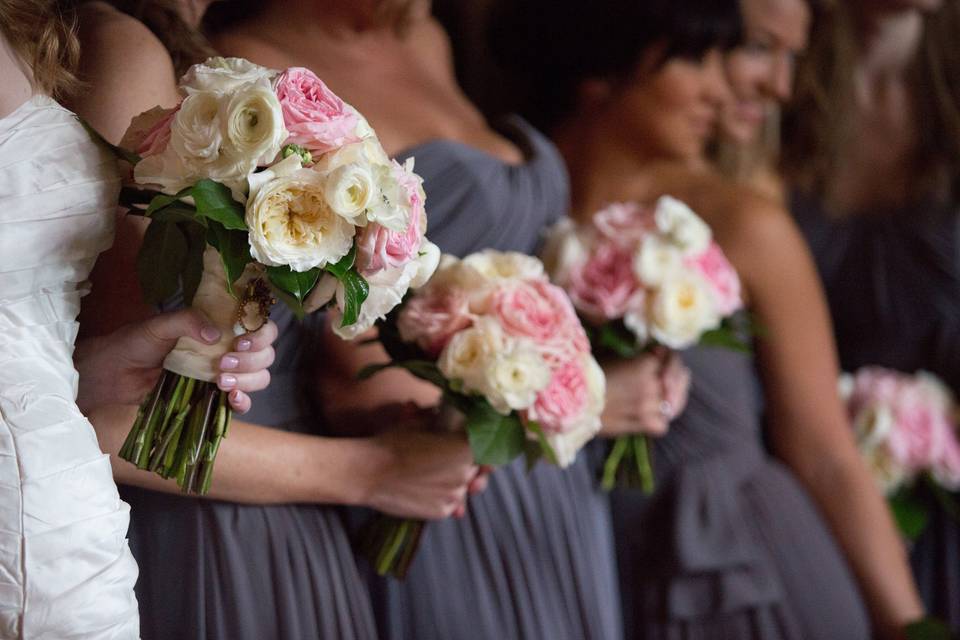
{"x": 533, "y": 556}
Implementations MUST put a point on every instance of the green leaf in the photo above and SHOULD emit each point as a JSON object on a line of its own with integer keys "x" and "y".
{"x": 344, "y": 265}
{"x": 193, "y": 268}
{"x": 178, "y": 212}
{"x": 298, "y": 284}
{"x": 494, "y": 439}
{"x": 162, "y": 200}
{"x": 292, "y": 303}
{"x": 545, "y": 446}
{"x": 135, "y": 198}
{"x": 355, "y": 292}
{"x": 618, "y": 340}
{"x": 214, "y": 201}
{"x": 234, "y": 249}
{"x": 909, "y": 513}
{"x": 927, "y": 628}
{"x": 725, "y": 338}
{"x": 119, "y": 152}
{"x": 161, "y": 260}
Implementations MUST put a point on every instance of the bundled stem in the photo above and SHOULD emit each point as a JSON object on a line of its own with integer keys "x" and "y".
{"x": 178, "y": 431}
{"x": 390, "y": 544}
{"x": 628, "y": 464}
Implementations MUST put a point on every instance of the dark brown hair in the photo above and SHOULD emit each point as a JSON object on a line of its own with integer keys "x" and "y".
{"x": 43, "y": 34}
{"x": 185, "y": 44}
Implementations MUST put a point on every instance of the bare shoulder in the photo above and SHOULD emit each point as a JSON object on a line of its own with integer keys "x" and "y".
{"x": 104, "y": 27}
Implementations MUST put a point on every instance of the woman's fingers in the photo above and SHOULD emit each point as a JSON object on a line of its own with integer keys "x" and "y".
{"x": 248, "y": 382}
{"x": 247, "y": 361}
{"x": 258, "y": 340}
{"x": 239, "y": 401}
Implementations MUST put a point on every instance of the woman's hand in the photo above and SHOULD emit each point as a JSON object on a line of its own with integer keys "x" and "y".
{"x": 122, "y": 367}
{"x": 645, "y": 393}
{"x": 422, "y": 473}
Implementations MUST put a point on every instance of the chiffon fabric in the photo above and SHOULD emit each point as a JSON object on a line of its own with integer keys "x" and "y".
{"x": 893, "y": 284}
{"x": 65, "y": 568}
{"x": 533, "y": 557}
{"x": 214, "y": 570}
{"x": 729, "y": 545}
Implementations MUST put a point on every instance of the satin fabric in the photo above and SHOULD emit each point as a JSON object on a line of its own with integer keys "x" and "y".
{"x": 65, "y": 567}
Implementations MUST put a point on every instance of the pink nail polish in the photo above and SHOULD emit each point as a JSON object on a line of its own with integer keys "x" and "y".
{"x": 227, "y": 381}
{"x": 210, "y": 334}
{"x": 228, "y": 362}
{"x": 243, "y": 344}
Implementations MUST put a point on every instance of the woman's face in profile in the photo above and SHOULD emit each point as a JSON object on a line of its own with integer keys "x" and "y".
{"x": 761, "y": 70}
{"x": 672, "y": 112}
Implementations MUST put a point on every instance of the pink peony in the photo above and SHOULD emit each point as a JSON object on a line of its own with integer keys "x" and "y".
{"x": 602, "y": 287}
{"x": 625, "y": 223}
{"x": 723, "y": 278}
{"x": 315, "y": 117}
{"x": 946, "y": 468}
{"x": 149, "y": 132}
{"x": 542, "y": 312}
{"x": 432, "y": 319}
{"x": 561, "y": 404}
{"x": 379, "y": 248}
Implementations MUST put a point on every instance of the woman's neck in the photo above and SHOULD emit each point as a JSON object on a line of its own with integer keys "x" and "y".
{"x": 605, "y": 168}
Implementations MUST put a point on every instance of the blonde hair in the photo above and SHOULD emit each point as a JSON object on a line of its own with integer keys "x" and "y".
{"x": 817, "y": 124}
{"x": 43, "y": 34}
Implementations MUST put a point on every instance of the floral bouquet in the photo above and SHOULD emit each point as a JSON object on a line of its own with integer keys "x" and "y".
{"x": 641, "y": 277}
{"x": 906, "y": 428}
{"x": 260, "y": 184}
{"x": 513, "y": 362}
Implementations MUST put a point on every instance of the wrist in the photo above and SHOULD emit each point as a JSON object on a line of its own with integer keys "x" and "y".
{"x": 368, "y": 461}
{"x": 83, "y": 352}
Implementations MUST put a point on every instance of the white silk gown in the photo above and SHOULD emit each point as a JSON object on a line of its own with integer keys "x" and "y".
{"x": 65, "y": 569}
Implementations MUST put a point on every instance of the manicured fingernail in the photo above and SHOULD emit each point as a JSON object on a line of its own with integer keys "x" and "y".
{"x": 243, "y": 344}
{"x": 228, "y": 362}
{"x": 227, "y": 381}
{"x": 210, "y": 334}
{"x": 234, "y": 396}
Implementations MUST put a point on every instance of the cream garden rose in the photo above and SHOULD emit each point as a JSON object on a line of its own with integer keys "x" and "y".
{"x": 514, "y": 376}
{"x": 253, "y": 124}
{"x": 290, "y": 221}
{"x": 466, "y": 356}
{"x": 681, "y": 310}
{"x": 223, "y": 75}
{"x": 499, "y": 265}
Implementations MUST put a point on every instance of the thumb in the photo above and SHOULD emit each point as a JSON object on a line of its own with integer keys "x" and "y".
{"x": 166, "y": 328}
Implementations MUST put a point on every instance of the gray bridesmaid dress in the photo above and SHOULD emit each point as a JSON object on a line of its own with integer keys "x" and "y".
{"x": 212, "y": 570}
{"x": 533, "y": 557}
{"x": 893, "y": 284}
{"x": 729, "y": 545}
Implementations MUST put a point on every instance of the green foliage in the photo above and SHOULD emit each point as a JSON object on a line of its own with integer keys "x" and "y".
{"x": 355, "y": 287}
{"x": 215, "y": 202}
{"x": 162, "y": 259}
{"x": 909, "y": 512}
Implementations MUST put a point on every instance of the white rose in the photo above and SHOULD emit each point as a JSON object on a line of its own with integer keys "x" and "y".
{"x": 468, "y": 353}
{"x": 567, "y": 444}
{"x": 657, "y": 261}
{"x": 392, "y": 208}
{"x": 889, "y": 475}
{"x": 684, "y": 227}
{"x": 290, "y": 222}
{"x": 224, "y": 75}
{"x": 253, "y": 124}
{"x": 514, "y": 376}
{"x": 387, "y": 288}
{"x": 504, "y": 265}
{"x": 427, "y": 262}
{"x": 681, "y": 310}
{"x": 872, "y": 425}
{"x": 195, "y": 132}
{"x": 356, "y": 175}
{"x": 565, "y": 249}
{"x": 453, "y": 273}
{"x": 635, "y": 319}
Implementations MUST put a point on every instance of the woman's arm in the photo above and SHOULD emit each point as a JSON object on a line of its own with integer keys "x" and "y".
{"x": 808, "y": 425}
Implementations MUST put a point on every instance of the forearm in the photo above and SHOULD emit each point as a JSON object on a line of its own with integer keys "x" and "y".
{"x": 259, "y": 465}
{"x": 861, "y": 523}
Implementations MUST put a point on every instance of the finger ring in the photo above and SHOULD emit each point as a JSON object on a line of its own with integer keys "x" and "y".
{"x": 666, "y": 409}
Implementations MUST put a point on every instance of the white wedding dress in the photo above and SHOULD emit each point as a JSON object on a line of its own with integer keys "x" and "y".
{"x": 65, "y": 569}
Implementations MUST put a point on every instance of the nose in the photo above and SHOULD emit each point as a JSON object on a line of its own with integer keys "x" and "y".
{"x": 780, "y": 81}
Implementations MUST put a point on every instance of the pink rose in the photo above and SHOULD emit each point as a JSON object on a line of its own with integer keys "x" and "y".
{"x": 625, "y": 223}
{"x": 149, "y": 132}
{"x": 602, "y": 287}
{"x": 542, "y": 312}
{"x": 561, "y": 404}
{"x": 947, "y": 468}
{"x": 432, "y": 319}
{"x": 379, "y": 248}
{"x": 315, "y": 117}
{"x": 723, "y": 278}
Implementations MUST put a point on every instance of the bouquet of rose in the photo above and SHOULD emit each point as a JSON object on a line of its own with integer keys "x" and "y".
{"x": 906, "y": 428}
{"x": 640, "y": 277}
{"x": 513, "y": 361}
{"x": 260, "y": 183}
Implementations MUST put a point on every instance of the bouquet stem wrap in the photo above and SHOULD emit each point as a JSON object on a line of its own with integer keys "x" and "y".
{"x": 181, "y": 423}
{"x": 628, "y": 464}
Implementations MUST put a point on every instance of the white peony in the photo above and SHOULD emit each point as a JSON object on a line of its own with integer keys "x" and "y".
{"x": 290, "y": 222}
{"x": 681, "y": 310}
{"x": 514, "y": 376}
{"x": 567, "y": 444}
{"x": 657, "y": 261}
{"x": 393, "y": 208}
{"x": 505, "y": 265}
{"x": 253, "y": 125}
{"x": 224, "y": 75}
{"x": 564, "y": 250}
{"x": 684, "y": 227}
{"x": 467, "y": 355}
